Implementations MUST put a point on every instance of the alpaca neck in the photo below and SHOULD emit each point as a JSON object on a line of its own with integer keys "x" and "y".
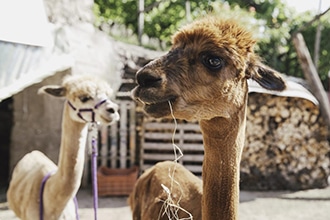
{"x": 223, "y": 144}
{"x": 64, "y": 184}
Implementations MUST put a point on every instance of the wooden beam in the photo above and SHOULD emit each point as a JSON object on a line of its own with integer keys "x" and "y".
{"x": 312, "y": 76}
{"x": 140, "y": 20}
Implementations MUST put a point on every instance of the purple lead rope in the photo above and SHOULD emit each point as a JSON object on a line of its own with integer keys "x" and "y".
{"x": 94, "y": 177}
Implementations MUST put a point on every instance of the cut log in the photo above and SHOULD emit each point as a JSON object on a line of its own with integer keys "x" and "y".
{"x": 286, "y": 145}
{"x": 285, "y": 148}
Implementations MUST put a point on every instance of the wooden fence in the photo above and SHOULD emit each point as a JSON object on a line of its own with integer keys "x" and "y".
{"x": 119, "y": 143}
{"x": 156, "y": 144}
{"x": 116, "y": 143}
{"x": 285, "y": 141}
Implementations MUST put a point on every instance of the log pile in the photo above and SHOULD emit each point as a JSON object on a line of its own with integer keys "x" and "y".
{"x": 286, "y": 145}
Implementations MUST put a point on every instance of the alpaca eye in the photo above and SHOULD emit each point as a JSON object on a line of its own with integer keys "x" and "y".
{"x": 213, "y": 62}
{"x": 85, "y": 98}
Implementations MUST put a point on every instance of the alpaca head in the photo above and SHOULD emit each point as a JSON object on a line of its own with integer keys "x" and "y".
{"x": 204, "y": 75}
{"x": 87, "y": 97}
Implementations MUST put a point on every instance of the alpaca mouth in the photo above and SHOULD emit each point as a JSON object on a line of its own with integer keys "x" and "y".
{"x": 109, "y": 120}
{"x": 159, "y": 102}
{"x": 158, "y": 109}
{"x": 153, "y": 105}
{"x": 106, "y": 120}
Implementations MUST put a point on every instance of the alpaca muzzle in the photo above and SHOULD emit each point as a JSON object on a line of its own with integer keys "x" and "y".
{"x": 90, "y": 110}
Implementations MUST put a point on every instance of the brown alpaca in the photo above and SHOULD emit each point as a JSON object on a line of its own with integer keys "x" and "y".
{"x": 204, "y": 76}
{"x": 148, "y": 197}
{"x": 81, "y": 92}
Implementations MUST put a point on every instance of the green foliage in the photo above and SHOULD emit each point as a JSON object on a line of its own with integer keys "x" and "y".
{"x": 324, "y": 53}
{"x": 114, "y": 11}
{"x": 271, "y": 21}
{"x": 162, "y": 19}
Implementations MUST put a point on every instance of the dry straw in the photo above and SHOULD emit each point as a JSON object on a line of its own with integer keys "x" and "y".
{"x": 171, "y": 208}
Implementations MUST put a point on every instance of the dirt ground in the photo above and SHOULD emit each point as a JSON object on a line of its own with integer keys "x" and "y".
{"x": 302, "y": 205}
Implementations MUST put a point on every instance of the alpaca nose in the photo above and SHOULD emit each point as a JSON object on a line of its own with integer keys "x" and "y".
{"x": 111, "y": 110}
{"x": 147, "y": 78}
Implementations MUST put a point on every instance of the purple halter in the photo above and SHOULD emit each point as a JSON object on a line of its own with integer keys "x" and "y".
{"x": 91, "y": 110}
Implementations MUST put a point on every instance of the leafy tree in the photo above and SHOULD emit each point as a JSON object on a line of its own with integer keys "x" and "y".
{"x": 162, "y": 18}
{"x": 324, "y": 61}
{"x": 271, "y": 21}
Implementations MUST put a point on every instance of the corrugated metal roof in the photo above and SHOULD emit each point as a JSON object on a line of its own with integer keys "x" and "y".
{"x": 23, "y": 65}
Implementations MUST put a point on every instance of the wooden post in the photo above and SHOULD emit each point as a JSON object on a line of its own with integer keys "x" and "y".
{"x": 123, "y": 135}
{"x": 104, "y": 145}
{"x": 188, "y": 11}
{"x": 132, "y": 132}
{"x": 140, "y": 20}
{"x": 114, "y": 145}
{"x": 317, "y": 40}
{"x": 312, "y": 76}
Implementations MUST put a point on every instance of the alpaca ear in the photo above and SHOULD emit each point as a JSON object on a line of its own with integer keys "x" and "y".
{"x": 266, "y": 77}
{"x": 57, "y": 91}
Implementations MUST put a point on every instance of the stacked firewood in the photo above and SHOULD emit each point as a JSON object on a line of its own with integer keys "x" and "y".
{"x": 286, "y": 145}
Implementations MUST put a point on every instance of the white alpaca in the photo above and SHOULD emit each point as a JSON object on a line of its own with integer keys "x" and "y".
{"x": 84, "y": 93}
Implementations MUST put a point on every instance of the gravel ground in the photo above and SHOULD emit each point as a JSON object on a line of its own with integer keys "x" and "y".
{"x": 284, "y": 205}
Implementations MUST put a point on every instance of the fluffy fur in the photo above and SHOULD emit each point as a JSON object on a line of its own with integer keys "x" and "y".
{"x": 23, "y": 192}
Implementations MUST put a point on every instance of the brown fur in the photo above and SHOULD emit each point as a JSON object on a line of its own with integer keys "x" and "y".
{"x": 151, "y": 196}
{"x": 204, "y": 76}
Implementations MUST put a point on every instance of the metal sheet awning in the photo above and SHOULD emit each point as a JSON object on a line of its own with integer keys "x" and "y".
{"x": 30, "y": 51}
{"x": 293, "y": 89}
{"x": 23, "y": 65}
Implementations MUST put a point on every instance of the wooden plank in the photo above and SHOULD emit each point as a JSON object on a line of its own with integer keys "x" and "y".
{"x": 169, "y": 126}
{"x": 193, "y": 137}
{"x": 160, "y": 136}
{"x": 193, "y": 157}
{"x": 104, "y": 145}
{"x": 168, "y": 136}
{"x": 110, "y": 158}
{"x": 157, "y": 146}
{"x": 157, "y": 138}
{"x": 158, "y": 157}
{"x": 132, "y": 132}
{"x": 114, "y": 143}
{"x": 166, "y": 156}
{"x": 123, "y": 135}
{"x": 169, "y": 146}
{"x": 193, "y": 147}
{"x": 192, "y": 168}
{"x": 181, "y": 139}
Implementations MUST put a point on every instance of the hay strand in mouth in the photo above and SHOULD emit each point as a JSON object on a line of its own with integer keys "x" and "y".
{"x": 170, "y": 208}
